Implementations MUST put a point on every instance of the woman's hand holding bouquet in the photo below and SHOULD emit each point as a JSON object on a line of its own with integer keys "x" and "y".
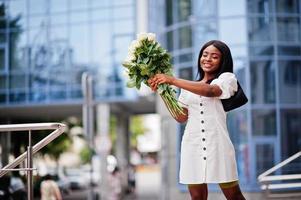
{"x": 147, "y": 58}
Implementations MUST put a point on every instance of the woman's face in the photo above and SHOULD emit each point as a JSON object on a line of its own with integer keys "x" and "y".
{"x": 210, "y": 59}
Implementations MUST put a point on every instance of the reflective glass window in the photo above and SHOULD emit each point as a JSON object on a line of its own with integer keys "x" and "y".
{"x": 200, "y": 12}
{"x": 17, "y": 8}
{"x": 2, "y": 59}
{"x": 79, "y": 17}
{"x": 230, "y": 8}
{"x": 184, "y": 10}
{"x": 123, "y": 12}
{"x": 261, "y": 50}
{"x": 264, "y": 157}
{"x": 262, "y": 82}
{"x": 38, "y": 7}
{"x": 17, "y": 96}
{"x": 290, "y": 81}
{"x": 229, "y": 35}
{"x": 260, "y": 6}
{"x": 287, "y": 6}
{"x": 76, "y": 5}
{"x": 261, "y": 29}
{"x": 186, "y": 73}
{"x": 60, "y": 19}
{"x": 3, "y": 82}
{"x": 169, "y": 40}
{"x": 58, "y": 6}
{"x": 264, "y": 122}
{"x": 79, "y": 43}
{"x": 169, "y": 12}
{"x": 204, "y": 31}
{"x": 185, "y": 40}
{"x": 284, "y": 50}
{"x": 288, "y": 29}
{"x": 290, "y": 132}
{"x": 17, "y": 81}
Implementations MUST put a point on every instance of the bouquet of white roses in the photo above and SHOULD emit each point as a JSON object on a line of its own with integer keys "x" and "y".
{"x": 145, "y": 59}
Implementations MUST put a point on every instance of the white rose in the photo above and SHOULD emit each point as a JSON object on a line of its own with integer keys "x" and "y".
{"x": 142, "y": 36}
{"x": 130, "y": 57}
{"x": 151, "y": 37}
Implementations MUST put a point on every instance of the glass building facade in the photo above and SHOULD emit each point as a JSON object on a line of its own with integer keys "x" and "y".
{"x": 46, "y": 45}
{"x": 265, "y": 40}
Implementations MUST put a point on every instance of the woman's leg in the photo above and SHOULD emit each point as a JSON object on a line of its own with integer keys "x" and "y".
{"x": 198, "y": 191}
{"x": 232, "y": 191}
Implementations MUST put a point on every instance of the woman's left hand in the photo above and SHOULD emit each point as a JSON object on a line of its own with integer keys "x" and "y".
{"x": 159, "y": 79}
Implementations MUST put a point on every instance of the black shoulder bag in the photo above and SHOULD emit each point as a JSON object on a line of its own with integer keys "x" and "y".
{"x": 238, "y": 99}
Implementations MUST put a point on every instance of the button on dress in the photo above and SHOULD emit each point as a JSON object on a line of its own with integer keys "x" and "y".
{"x": 207, "y": 153}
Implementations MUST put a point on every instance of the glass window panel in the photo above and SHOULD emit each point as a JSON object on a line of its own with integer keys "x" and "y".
{"x": 79, "y": 44}
{"x": 289, "y": 50}
{"x": 101, "y": 43}
{"x": 79, "y": 4}
{"x": 185, "y": 40}
{"x": 123, "y": 27}
{"x": 17, "y": 81}
{"x": 264, "y": 157}
{"x": 101, "y": 14}
{"x": 200, "y": 12}
{"x": 2, "y": 97}
{"x": 2, "y": 59}
{"x": 262, "y": 81}
{"x": 233, "y": 37}
{"x": 123, "y": 12}
{"x": 169, "y": 40}
{"x": 37, "y": 6}
{"x": 238, "y": 51}
{"x": 187, "y": 57}
{"x": 78, "y": 17}
{"x": 3, "y": 28}
{"x": 58, "y": 6}
{"x": 123, "y": 2}
{"x": 119, "y": 44}
{"x": 261, "y": 29}
{"x": 290, "y": 132}
{"x": 287, "y": 6}
{"x": 184, "y": 10}
{"x": 186, "y": 73}
{"x": 18, "y": 50}
{"x": 3, "y": 82}
{"x": 57, "y": 93}
{"x": 264, "y": 122}
{"x": 288, "y": 29}
{"x": 238, "y": 130}
{"x": 169, "y": 12}
{"x": 38, "y": 94}
{"x": 17, "y": 8}
{"x": 102, "y": 3}
{"x": 38, "y": 21}
{"x": 260, "y": 6}
{"x": 230, "y": 8}
{"x": 59, "y": 19}
{"x": 205, "y": 31}
{"x": 17, "y": 96}
{"x": 290, "y": 81}
{"x": 261, "y": 50}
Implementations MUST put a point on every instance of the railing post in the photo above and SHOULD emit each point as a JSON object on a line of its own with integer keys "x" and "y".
{"x": 29, "y": 168}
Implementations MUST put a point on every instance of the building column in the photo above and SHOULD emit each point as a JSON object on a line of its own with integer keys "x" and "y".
{"x": 168, "y": 157}
{"x": 123, "y": 146}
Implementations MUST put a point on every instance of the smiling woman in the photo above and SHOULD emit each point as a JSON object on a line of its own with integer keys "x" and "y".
{"x": 206, "y": 141}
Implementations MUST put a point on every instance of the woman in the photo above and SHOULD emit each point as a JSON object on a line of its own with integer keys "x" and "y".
{"x": 49, "y": 189}
{"x": 207, "y": 153}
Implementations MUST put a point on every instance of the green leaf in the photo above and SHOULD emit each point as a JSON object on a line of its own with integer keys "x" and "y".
{"x": 131, "y": 83}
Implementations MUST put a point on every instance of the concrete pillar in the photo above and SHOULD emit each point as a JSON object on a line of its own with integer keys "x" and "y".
{"x": 168, "y": 156}
{"x": 103, "y": 145}
{"x": 122, "y": 146}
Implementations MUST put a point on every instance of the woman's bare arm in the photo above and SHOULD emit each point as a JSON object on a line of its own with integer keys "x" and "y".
{"x": 192, "y": 86}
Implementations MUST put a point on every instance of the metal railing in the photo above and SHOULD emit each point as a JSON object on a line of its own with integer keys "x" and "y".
{"x": 31, "y": 150}
{"x": 271, "y": 183}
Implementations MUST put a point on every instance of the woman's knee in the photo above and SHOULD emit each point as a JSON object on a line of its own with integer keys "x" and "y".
{"x": 233, "y": 193}
{"x": 198, "y": 192}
